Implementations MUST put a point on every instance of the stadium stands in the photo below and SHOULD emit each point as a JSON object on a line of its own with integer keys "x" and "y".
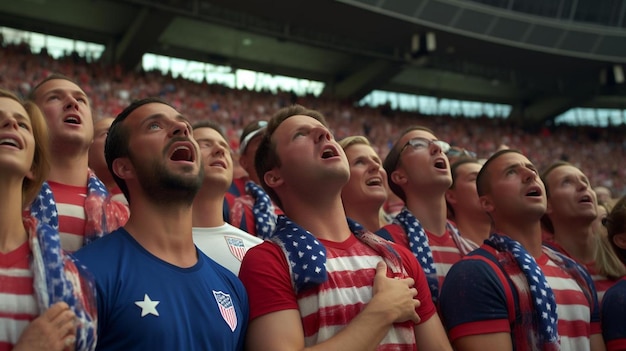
{"x": 599, "y": 152}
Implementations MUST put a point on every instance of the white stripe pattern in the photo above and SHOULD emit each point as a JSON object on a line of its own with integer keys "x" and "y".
{"x": 18, "y": 304}
{"x": 71, "y": 210}
{"x": 10, "y": 330}
{"x": 337, "y": 298}
{"x": 16, "y": 272}
{"x": 575, "y": 344}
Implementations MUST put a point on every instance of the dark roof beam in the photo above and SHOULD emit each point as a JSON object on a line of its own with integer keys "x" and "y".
{"x": 544, "y": 109}
{"x": 363, "y": 81}
{"x": 142, "y": 35}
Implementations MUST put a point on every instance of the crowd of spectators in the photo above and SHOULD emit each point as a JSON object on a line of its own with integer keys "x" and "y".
{"x": 598, "y": 152}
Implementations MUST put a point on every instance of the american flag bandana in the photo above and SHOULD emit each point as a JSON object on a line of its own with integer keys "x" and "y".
{"x": 307, "y": 256}
{"x": 545, "y": 311}
{"x": 263, "y": 210}
{"x": 103, "y": 215}
{"x": 227, "y": 309}
{"x": 418, "y": 243}
{"x": 58, "y": 277}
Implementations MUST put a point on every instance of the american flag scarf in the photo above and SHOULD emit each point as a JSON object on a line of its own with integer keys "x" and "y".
{"x": 59, "y": 277}
{"x": 307, "y": 256}
{"x": 542, "y": 318}
{"x": 263, "y": 210}
{"x": 418, "y": 243}
{"x": 103, "y": 215}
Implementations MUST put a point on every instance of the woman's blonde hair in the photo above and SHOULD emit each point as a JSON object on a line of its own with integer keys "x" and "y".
{"x": 607, "y": 262}
{"x": 353, "y": 140}
{"x": 615, "y": 224}
{"x": 41, "y": 159}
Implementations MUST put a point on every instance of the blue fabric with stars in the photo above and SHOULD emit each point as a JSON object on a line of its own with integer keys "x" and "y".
{"x": 44, "y": 207}
{"x": 542, "y": 295}
{"x": 54, "y": 281}
{"x": 307, "y": 256}
{"x": 263, "y": 210}
{"x": 418, "y": 243}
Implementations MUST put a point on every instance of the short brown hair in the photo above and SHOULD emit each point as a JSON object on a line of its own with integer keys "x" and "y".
{"x": 266, "y": 157}
{"x": 482, "y": 179}
{"x": 211, "y": 125}
{"x": 458, "y": 163}
{"x": 392, "y": 160}
{"x": 32, "y": 95}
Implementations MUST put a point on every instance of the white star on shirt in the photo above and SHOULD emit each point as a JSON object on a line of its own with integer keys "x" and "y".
{"x": 148, "y": 306}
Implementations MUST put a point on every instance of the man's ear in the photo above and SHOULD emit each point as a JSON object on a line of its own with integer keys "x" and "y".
{"x": 451, "y": 196}
{"x": 272, "y": 178}
{"x": 398, "y": 177}
{"x": 486, "y": 203}
{"x": 123, "y": 168}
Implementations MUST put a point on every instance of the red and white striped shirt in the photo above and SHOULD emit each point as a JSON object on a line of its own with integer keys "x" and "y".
{"x": 17, "y": 299}
{"x": 602, "y": 283}
{"x": 70, "y": 202}
{"x": 329, "y": 307}
{"x": 444, "y": 249}
{"x": 445, "y": 253}
{"x": 577, "y": 319}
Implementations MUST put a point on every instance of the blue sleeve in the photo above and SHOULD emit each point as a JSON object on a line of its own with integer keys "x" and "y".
{"x": 245, "y": 308}
{"x": 472, "y": 292}
{"x": 91, "y": 260}
{"x": 240, "y": 295}
{"x": 614, "y": 312}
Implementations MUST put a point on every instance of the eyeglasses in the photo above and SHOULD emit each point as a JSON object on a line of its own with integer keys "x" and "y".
{"x": 423, "y": 143}
{"x": 458, "y": 152}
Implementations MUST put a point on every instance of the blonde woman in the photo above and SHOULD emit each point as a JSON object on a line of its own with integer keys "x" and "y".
{"x": 366, "y": 191}
{"x": 572, "y": 210}
{"x": 46, "y": 302}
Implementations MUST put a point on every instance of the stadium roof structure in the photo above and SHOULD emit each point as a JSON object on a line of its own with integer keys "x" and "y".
{"x": 540, "y": 56}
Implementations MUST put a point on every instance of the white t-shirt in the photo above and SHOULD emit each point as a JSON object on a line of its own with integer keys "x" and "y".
{"x": 225, "y": 244}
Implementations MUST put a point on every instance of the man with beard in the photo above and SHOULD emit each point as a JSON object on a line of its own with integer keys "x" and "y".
{"x": 156, "y": 290}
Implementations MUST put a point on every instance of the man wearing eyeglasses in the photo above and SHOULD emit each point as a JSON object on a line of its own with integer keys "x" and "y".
{"x": 418, "y": 172}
